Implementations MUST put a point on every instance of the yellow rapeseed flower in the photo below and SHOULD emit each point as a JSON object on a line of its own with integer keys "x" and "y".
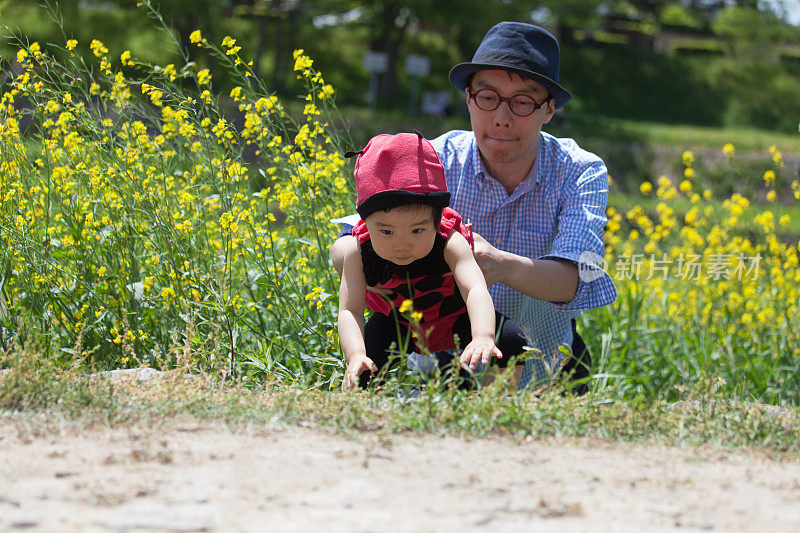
{"x": 728, "y": 150}
{"x": 406, "y": 306}
{"x": 325, "y": 92}
{"x": 766, "y": 220}
{"x": 301, "y": 61}
{"x": 203, "y": 77}
{"x": 155, "y": 97}
{"x": 170, "y": 72}
{"x": 229, "y": 42}
{"x": 195, "y": 37}
{"x": 168, "y": 293}
{"x": 98, "y": 48}
{"x": 71, "y": 44}
{"x": 646, "y": 187}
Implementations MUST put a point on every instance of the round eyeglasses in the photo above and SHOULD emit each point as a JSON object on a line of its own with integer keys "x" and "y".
{"x": 521, "y": 105}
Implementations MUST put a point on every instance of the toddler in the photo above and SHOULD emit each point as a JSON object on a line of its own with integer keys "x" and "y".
{"x": 410, "y": 246}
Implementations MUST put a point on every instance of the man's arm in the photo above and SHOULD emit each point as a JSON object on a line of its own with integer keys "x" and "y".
{"x": 579, "y": 237}
{"x": 544, "y": 279}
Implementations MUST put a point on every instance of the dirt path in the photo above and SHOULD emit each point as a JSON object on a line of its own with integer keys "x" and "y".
{"x": 192, "y": 476}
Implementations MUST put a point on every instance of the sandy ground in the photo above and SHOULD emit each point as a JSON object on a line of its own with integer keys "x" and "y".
{"x": 185, "y": 475}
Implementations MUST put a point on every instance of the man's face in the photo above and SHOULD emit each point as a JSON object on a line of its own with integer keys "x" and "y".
{"x": 508, "y": 142}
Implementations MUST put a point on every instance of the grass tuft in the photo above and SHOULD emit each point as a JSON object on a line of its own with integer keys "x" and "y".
{"x": 703, "y": 417}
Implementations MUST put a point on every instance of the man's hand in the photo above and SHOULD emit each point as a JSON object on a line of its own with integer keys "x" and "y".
{"x": 489, "y": 258}
{"x": 355, "y": 367}
{"x": 479, "y": 350}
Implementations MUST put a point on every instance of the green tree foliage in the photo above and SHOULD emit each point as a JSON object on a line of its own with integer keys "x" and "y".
{"x": 747, "y": 26}
{"x": 337, "y": 33}
{"x": 680, "y": 16}
{"x": 185, "y": 16}
{"x": 277, "y": 26}
{"x": 390, "y": 25}
{"x": 569, "y": 14}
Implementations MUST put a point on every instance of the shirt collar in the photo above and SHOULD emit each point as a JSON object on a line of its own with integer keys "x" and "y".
{"x": 481, "y": 177}
{"x": 535, "y": 175}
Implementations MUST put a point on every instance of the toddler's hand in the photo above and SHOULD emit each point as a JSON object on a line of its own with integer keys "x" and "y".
{"x": 479, "y": 350}
{"x": 358, "y": 365}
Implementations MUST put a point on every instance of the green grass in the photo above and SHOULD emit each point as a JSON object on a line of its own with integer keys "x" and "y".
{"x": 587, "y": 125}
{"x": 38, "y": 386}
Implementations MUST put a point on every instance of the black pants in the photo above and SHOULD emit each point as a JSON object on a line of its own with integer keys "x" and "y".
{"x": 381, "y": 331}
{"x": 579, "y": 364}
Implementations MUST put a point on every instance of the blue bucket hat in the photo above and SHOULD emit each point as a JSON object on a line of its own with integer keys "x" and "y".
{"x": 523, "y": 49}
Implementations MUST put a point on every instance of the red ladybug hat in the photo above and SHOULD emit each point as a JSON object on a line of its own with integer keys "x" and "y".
{"x": 400, "y": 169}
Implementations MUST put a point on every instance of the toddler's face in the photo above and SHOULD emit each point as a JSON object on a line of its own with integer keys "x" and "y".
{"x": 402, "y": 235}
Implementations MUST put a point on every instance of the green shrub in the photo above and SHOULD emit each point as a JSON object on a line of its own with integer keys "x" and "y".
{"x": 697, "y": 47}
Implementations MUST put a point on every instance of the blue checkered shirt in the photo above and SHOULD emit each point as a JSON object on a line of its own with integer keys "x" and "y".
{"x": 557, "y": 212}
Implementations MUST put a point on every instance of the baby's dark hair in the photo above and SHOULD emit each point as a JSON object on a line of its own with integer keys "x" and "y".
{"x": 436, "y": 212}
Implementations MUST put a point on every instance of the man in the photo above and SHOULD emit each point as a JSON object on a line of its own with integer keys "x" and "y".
{"x": 537, "y": 203}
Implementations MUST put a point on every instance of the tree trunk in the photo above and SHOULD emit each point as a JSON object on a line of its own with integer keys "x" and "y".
{"x": 261, "y": 43}
{"x": 390, "y": 40}
{"x": 278, "y": 57}
{"x": 286, "y": 29}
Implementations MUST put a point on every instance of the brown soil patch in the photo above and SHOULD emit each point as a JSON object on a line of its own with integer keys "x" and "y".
{"x": 185, "y": 475}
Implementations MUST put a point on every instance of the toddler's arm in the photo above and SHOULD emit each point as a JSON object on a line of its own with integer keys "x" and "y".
{"x": 352, "y": 295}
{"x": 480, "y": 307}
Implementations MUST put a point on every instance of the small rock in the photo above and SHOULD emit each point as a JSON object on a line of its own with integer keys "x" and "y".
{"x": 132, "y": 374}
